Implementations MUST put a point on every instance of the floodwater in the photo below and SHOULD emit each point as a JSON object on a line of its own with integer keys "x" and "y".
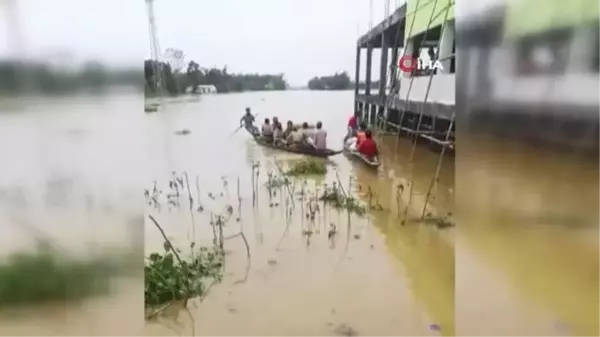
{"x": 70, "y": 172}
{"x": 527, "y": 242}
{"x": 519, "y": 262}
{"x": 376, "y": 278}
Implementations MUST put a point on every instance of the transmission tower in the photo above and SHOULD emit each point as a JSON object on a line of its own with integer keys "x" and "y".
{"x": 15, "y": 38}
{"x": 387, "y": 9}
{"x": 370, "y": 14}
{"x": 155, "y": 54}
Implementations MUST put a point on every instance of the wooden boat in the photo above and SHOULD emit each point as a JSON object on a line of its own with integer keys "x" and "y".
{"x": 354, "y": 155}
{"x": 299, "y": 150}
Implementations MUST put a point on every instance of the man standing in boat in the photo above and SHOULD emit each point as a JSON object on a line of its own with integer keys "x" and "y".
{"x": 352, "y": 126}
{"x": 247, "y": 120}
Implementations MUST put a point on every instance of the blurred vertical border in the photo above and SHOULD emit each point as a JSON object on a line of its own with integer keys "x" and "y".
{"x": 527, "y": 167}
{"x": 71, "y": 167}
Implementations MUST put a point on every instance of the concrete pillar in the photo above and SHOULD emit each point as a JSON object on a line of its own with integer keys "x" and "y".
{"x": 483, "y": 78}
{"x": 581, "y": 50}
{"x": 357, "y": 72}
{"x": 383, "y": 66}
{"x": 409, "y": 49}
{"x": 394, "y": 66}
{"x": 369, "y": 66}
{"x": 446, "y": 42}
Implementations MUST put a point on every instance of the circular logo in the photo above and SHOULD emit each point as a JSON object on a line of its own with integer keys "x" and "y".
{"x": 407, "y": 63}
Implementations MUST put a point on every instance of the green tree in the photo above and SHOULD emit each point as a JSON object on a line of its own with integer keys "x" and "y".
{"x": 338, "y": 81}
{"x": 222, "y": 79}
{"x": 94, "y": 74}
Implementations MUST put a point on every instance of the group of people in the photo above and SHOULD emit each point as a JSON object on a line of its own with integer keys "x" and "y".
{"x": 292, "y": 135}
{"x": 360, "y": 139}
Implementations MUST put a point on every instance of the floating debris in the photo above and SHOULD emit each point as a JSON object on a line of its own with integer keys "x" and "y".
{"x": 345, "y": 330}
{"x": 183, "y": 132}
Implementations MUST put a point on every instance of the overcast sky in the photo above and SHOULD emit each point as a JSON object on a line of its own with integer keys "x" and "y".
{"x": 300, "y": 38}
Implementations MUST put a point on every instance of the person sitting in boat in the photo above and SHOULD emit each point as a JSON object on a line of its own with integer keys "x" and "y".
{"x": 267, "y": 130}
{"x": 361, "y": 134}
{"x": 353, "y": 137}
{"x": 247, "y": 120}
{"x": 278, "y": 138}
{"x": 288, "y": 129}
{"x": 320, "y": 137}
{"x": 368, "y": 147}
{"x": 295, "y": 137}
{"x": 308, "y": 133}
{"x": 353, "y": 141}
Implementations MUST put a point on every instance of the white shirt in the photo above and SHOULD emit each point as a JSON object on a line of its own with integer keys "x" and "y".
{"x": 308, "y": 133}
{"x": 267, "y": 130}
{"x": 320, "y": 137}
{"x": 296, "y": 136}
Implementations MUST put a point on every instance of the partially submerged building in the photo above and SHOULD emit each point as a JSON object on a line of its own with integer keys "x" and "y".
{"x": 411, "y": 102}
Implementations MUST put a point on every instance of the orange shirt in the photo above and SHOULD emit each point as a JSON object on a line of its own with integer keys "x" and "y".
{"x": 360, "y": 136}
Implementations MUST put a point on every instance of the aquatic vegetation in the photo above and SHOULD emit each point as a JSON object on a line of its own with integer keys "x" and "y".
{"x": 168, "y": 277}
{"x": 440, "y": 222}
{"x": 307, "y": 167}
{"x": 335, "y": 197}
{"x": 275, "y": 182}
{"x": 48, "y": 276}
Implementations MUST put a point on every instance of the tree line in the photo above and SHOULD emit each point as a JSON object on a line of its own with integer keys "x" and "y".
{"x": 177, "y": 81}
{"x": 38, "y": 77}
{"x": 337, "y": 81}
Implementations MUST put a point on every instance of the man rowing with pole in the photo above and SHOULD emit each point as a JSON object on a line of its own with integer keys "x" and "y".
{"x": 247, "y": 120}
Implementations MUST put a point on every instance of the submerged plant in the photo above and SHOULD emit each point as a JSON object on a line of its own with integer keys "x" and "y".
{"x": 170, "y": 278}
{"x": 308, "y": 167}
{"x": 438, "y": 222}
{"x": 337, "y": 199}
{"x": 275, "y": 182}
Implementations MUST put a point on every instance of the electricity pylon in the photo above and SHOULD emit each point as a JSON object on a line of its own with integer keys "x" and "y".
{"x": 154, "y": 45}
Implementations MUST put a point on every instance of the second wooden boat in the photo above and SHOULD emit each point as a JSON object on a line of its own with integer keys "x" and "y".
{"x": 354, "y": 155}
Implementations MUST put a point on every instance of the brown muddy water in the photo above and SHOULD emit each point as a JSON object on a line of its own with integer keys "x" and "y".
{"x": 526, "y": 261}
{"x": 527, "y": 244}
